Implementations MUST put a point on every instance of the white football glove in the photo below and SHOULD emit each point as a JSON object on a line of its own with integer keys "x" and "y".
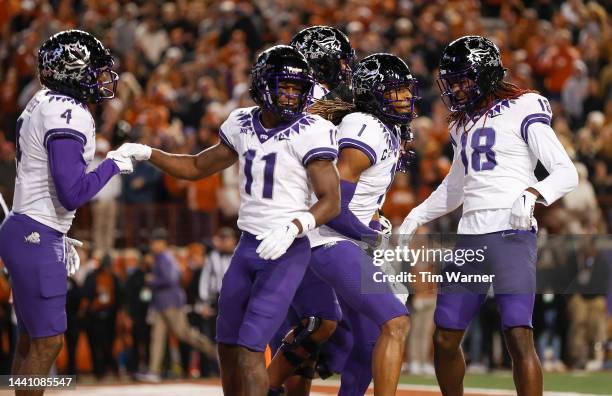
{"x": 123, "y": 162}
{"x": 274, "y": 243}
{"x": 385, "y": 225}
{"x": 407, "y": 230}
{"x": 139, "y": 152}
{"x": 73, "y": 261}
{"x": 521, "y": 216}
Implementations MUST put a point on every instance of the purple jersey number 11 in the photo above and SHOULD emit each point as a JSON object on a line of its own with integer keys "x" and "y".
{"x": 270, "y": 160}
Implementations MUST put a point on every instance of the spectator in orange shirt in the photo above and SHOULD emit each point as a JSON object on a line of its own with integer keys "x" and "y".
{"x": 557, "y": 63}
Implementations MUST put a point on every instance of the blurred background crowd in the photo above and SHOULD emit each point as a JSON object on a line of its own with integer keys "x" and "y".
{"x": 184, "y": 65}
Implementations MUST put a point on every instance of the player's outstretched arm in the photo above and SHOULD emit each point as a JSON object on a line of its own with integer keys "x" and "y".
{"x": 73, "y": 185}
{"x": 184, "y": 166}
{"x": 446, "y": 198}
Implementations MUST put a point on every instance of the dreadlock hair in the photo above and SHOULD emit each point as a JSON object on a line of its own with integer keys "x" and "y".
{"x": 332, "y": 110}
{"x": 504, "y": 90}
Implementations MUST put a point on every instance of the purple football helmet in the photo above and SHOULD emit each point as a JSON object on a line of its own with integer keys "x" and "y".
{"x": 75, "y": 63}
{"x": 274, "y": 65}
{"x": 470, "y": 69}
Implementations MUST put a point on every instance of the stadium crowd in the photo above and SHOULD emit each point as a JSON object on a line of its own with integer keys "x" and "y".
{"x": 184, "y": 66}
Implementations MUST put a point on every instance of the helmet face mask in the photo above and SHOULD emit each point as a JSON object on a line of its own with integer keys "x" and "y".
{"x": 459, "y": 90}
{"x": 470, "y": 70}
{"x": 105, "y": 84}
{"x": 382, "y": 84}
{"x": 328, "y": 52}
{"x": 288, "y": 96}
{"x": 76, "y": 64}
{"x": 281, "y": 82}
{"x": 401, "y": 95}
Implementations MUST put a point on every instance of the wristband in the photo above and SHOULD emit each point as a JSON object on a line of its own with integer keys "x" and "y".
{"x": 307, "y": 221}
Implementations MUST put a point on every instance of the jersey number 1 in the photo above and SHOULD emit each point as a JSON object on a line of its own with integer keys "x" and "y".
{"x": 479, "y": 147}
{"x": 270, "y": 160}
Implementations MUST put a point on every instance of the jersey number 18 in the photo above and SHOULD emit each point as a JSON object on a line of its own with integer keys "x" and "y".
{"x": 479, "y": 147}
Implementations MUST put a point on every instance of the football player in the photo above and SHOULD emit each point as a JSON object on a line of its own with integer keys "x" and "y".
{"x": 331, "y": 58}
{"x": 55, "y": 140}
{"x": 284, "y": 155}
{"x": 370, "y": 144}
{"x": 499, "y": 132}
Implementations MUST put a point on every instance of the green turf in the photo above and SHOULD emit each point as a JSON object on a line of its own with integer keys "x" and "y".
{"x": 597, "y": 383}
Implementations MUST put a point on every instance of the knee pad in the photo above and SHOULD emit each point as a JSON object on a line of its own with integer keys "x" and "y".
{"x": 301, "y": 338}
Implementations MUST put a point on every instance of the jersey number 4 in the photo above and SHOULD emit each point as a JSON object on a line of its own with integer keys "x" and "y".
{"x": 270, "y": 160}
{"x": 482, "y": 142}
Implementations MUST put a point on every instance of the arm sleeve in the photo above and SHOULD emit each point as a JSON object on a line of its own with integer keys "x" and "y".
{"x": 447, "y": 197}
{"x": 346, "y": 222}
{"x": 74, "y": 187}
{"x": 563, "y": 176}
{"x": 318, "y": 141}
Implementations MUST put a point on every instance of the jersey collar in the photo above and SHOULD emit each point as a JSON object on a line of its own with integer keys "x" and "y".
{"x": 281, "y": 132}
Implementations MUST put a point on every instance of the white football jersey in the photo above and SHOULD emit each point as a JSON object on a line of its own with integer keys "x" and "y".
{"x": 274, "y": 186}
{"x": 48, "y": 114}
{"x": 497, "y": 162}
{"x": 381, "y": 145}
{"x": 495, "y": 155}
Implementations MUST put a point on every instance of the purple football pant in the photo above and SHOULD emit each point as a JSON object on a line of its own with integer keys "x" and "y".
{"x": 312, "y": 298}
{"x": 357, "y": 372}
{"x": 33, "y": 254}
{"x": 256, "y": 293}
{"x": 347, "y": 269}
{"x": 511, "y": 257}
{"x": 316, "y": 298}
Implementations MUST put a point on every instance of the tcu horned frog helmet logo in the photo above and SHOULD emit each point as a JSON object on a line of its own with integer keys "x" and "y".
{"x": 73, "y": 56}
{"x": 367, "y": 76}
{"x": 318, "y": 43}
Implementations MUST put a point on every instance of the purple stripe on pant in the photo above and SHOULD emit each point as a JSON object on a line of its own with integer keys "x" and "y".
{"x": 34, "y": 256}
{"x": 511, "y": 257}
{"x": 256, "y": 293}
